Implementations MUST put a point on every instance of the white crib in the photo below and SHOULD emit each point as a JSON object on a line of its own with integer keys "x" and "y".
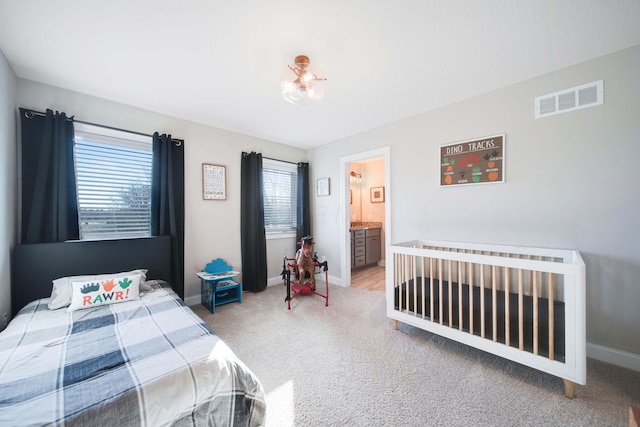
{"x": 524, "y": 304}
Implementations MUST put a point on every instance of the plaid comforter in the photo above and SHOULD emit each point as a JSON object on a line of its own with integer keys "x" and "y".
{"x": 150, "y": 362}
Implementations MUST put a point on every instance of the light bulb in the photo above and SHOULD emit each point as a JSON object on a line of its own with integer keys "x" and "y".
{"x": 300, "y": 84}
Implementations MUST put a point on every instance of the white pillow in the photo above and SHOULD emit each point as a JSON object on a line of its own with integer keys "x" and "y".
{"x": 145, "y": 286}
{"x": 61, "y": 292}
{"x": 110, "y": 290}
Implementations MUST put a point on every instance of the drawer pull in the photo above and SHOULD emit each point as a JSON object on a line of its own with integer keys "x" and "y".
{"x": 221, "y": 294}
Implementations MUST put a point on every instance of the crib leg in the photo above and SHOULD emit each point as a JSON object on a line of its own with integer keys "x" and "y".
{"x": 569, "y": 389}
{"x": 395, "y": 324}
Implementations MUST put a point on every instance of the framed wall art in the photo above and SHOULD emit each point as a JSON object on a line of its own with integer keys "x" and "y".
{"x": 214, "y": 182}
{"x": 377, "y": 194}
{"x": 477, "y": 161}
{"x": 323, "y": 187}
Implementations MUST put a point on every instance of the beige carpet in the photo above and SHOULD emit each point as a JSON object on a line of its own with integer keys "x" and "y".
{"x": 344, "y": 365}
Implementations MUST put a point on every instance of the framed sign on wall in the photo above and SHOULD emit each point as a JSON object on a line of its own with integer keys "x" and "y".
{"x": 323, "y": 187}
{"x": 214, "y": 182}
{"x": 376, "y": 194}
{"x": 477, "y": 161}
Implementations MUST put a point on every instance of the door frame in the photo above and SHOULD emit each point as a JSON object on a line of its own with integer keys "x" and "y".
{"x": 345, "y": 218}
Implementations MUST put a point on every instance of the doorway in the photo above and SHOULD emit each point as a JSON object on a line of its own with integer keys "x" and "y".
{"x": 367, "y": 199}
{"x": 367, "y": 220}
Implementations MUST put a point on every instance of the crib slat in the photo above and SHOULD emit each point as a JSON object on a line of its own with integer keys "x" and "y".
{"x": 459, "y": 295}
{"x": 405, "y": 269}
{"x": 529, "y": 275}
{"x": 404, "y": 280}
{"x": 450, "y": 297}
{"x": 423, "y": 279}
{"x": 397, "y": 284}
{"x": 440, "y": 284}
{"x": 535, "y": 313}
{"x": 552, "y": 298}
{"x": 415, "y": 285}
{"x": 507, "y": 318}
{"x": 431, "y": 274}
{"x": 412, "y": 276}
{"x": 398, "y": 264}
{"x": 463, "y": 272}
{"x": 401, "y": 277}
{"x": 482, "y": 326}
{"x": 490, "y": 272}
{"x": 520, "y": 310}
{"x": 494, "y": 303}
{"x": 472, "y": 267}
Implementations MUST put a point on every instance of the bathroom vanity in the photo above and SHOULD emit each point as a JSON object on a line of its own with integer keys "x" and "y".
{"x": 366, "y": 244}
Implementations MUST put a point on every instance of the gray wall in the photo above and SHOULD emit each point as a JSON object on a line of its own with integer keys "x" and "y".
{"x": 7, "y": 181}
{"x": 571, "y": 182}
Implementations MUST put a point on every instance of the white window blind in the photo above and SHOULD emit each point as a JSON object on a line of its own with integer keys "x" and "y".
{"x": 113, "y": 178}
{"x": 280, "y": 183}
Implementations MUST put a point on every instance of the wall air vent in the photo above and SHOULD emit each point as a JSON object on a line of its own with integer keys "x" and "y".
{"x": 576, "y": 98}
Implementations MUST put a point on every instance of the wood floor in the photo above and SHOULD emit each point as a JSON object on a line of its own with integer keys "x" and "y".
{"x": 369, "y": 278}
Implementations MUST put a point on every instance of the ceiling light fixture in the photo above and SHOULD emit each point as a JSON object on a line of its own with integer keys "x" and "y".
{"x": 302, "y": 84}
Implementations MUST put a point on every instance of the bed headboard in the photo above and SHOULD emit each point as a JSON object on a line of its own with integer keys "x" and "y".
{"x": 35, "y": 266}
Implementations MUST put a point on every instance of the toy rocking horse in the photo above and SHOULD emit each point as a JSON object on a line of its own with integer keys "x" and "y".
{"x": 304, "y": 265}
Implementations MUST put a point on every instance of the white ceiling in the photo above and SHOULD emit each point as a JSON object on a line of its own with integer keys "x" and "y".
{"x": 219, "y": 62}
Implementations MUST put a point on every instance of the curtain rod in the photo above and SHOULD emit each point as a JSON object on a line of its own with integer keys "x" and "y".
{"x": 71, "y": 119}
{"x": 284, "y": 161}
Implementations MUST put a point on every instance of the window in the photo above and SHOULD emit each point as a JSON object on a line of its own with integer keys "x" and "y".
{"x": 280, "y": 182}
{"x": 113, "y": 179}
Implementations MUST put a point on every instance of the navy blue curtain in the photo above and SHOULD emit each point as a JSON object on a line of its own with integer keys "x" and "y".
{"x": 49, "y": 202}
{"x": 167, "y": 201}
{"x": 303, "y": 209}
{"x": 252, "y": 234}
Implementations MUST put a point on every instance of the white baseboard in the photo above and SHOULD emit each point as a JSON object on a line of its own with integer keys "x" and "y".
{"x": 278, "y": 281}
{"x": 613, "y": 356}
{"x": 336, "y": 281}
{"x": 194, "y": 300}
{"x": 270, "y": 282}
{"x": 274, "y": 281}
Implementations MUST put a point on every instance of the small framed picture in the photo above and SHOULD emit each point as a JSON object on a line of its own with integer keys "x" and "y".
{"x": 214, "y": 182}
{"x": 323, "y": 187}
{"x": 377, "y": 194}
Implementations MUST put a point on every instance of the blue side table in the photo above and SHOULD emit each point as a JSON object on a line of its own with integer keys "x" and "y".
{"x": 219, "y": 288}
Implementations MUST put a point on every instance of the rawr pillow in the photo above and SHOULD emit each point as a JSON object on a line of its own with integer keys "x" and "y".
{"x": 111, "y": 290}
{"x": 61, "y": 291}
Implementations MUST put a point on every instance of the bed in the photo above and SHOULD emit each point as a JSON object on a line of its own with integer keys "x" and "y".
{"x": 148, "y": 360}
{"x": 524, "y": 304}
